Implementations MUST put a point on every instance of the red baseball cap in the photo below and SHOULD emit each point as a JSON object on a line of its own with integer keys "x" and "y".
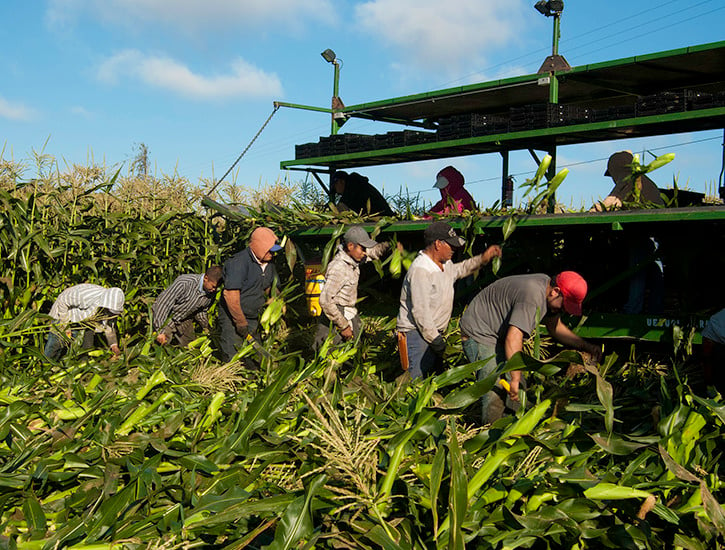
{"x": 574, "y": 289}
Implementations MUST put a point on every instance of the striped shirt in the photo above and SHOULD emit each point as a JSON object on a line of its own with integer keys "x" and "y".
{"x": 81, "y": 302}
{"x": 93, "y": 305}
{"x": 184, "y": 299}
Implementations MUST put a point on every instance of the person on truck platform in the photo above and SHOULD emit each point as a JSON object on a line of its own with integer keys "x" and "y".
{"x": 356, "y": 193}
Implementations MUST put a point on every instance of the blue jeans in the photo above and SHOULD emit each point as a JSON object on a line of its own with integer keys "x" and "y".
{"x": 56, "y": 345}
{"x": 493, "y": 404}
{"x": 422, "y": 361}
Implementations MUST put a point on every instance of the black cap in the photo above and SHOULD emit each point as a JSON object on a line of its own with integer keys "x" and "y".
{"x": 441, "y": 231}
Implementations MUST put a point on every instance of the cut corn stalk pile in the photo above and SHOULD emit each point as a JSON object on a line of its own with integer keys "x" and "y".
{"x": 170, "y": 448}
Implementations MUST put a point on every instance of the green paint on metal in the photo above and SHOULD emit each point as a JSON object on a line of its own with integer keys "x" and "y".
{"x": 701, "y": 119}
{"x": 643, "y": 327}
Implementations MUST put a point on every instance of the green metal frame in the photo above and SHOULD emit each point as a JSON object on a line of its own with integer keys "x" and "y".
{"x": 686, "y": 121}
{"x": 486, "y": 224}
{"x": 600, "y": 83}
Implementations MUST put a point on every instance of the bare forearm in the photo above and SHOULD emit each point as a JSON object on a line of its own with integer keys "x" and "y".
{"x": 231, "y": 299}
{"x": 513, "y": 344}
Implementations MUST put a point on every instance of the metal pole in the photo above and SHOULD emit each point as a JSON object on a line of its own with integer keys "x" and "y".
{"x": 553, "y": 81}
{"x": 505, "y": 197}
{"x": 335, "y": 93}
{"x": 550, "y": 173}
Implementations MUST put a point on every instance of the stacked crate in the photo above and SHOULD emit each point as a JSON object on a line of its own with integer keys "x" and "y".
{"x": 414, "y": 137}
{"x": 306, "y": 151}
{"x": 454, "y": 127}
{"x": 612, "y": 113}
{"x": 660, "y": 104}
{"x": 359, "y": 142}
{"x": 566, "y": 115}
{"x": 528, "y": 117}
{"x": 485, "y": 125}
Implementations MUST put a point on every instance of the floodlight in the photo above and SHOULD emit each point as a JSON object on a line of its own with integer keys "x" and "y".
{"x": 328, "y": 55}
{"x": 542, "y": 8}
{"x": 549, "y": 7}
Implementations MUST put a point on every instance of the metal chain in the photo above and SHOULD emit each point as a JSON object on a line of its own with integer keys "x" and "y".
{"x": 276, "y": 108}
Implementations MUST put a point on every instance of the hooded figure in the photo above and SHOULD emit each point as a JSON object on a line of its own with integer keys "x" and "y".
{"x": 454, "y": 198}
{"x": 359, "y": 195}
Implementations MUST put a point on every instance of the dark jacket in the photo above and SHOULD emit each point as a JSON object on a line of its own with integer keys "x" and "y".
{"x": 358, "y": 191}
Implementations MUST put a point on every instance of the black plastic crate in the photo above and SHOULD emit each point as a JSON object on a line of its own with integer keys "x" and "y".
{"x": 414, "y": 137}
{"x": 611, "y": 113}
{"x": 566, "y": 115}
{"x": 396, "y": 139}
{"x": 332, "y": 145}
{"x": 528, "y": 117}
{"x": 699, "y": 100}
{"x": 306, "y": 150}
{"x": 359, "y": 142}
{"x": 659, "y": 104}
{"x": 484, "y": 125}
{"x": 381, "y": 141}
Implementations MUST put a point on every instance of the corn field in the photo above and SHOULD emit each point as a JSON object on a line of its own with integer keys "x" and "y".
{"x": 171, "y": 448}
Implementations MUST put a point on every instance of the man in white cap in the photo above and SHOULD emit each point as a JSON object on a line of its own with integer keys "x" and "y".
{"x": 338, "y": 297}
{"x": 426, "y": 298}
{"x": 248, "y": 276}
{"x": 498, "y": 319}
{"x": 87, "y": 307}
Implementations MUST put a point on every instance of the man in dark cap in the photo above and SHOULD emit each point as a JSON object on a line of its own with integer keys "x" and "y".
{"x": 358, "y": 194}
{"x": 498, "y": 319}
{"x": 426, "y": 298}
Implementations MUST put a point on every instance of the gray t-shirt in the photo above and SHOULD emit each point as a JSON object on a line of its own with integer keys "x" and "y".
{"x": 509, "y": 301}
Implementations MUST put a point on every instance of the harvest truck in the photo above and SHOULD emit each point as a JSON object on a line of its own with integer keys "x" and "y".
{"x": 668, "y": 92}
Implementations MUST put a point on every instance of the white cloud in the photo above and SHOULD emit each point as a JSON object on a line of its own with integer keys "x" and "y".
{"x": 15, "y": 111}
{"x": 81, "y": 111}
{"x": 192, "y": 15}
{"x": 442, "y": 36}
{"x": 243, "y": 79}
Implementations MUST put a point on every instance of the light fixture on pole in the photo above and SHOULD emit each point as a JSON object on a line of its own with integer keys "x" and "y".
{"x": 338, "y": 117}
{"x": 554, "y": 62}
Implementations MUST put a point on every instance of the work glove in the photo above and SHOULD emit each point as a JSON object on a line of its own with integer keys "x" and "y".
{"x": 438, "y": 345}
{"x": 242, "y": 330}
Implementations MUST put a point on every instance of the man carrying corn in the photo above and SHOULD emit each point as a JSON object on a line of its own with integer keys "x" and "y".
{"x": 338, "y": 297}
{"x": 188, "y": 298}
{"x": 426, "y": 298}
{"x": 248, "y": 276}
{"x": 497, "y": 320}
{"x": 88, "y": 308}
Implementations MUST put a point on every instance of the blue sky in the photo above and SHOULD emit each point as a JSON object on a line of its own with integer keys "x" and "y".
{"x": 88, "y": 80}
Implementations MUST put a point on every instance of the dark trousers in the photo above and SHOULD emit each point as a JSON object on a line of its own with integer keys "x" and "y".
{"x": 57, "y": 344}
{"x": 325, "y": 327}
{"x": 229, "y": 340}
{"x": 184, "y": 332}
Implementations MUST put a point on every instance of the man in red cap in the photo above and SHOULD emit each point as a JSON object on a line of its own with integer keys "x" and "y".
{"x": 503, "y": 314}
{"x": 248, "y": 276}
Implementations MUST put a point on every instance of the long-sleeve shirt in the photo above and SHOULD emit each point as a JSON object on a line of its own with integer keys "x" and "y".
{"x": 426, "y": 298}
{"x": 81, "y": 304}
{"x": 339, "y": 293}
{"x": 184, "y": 299}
